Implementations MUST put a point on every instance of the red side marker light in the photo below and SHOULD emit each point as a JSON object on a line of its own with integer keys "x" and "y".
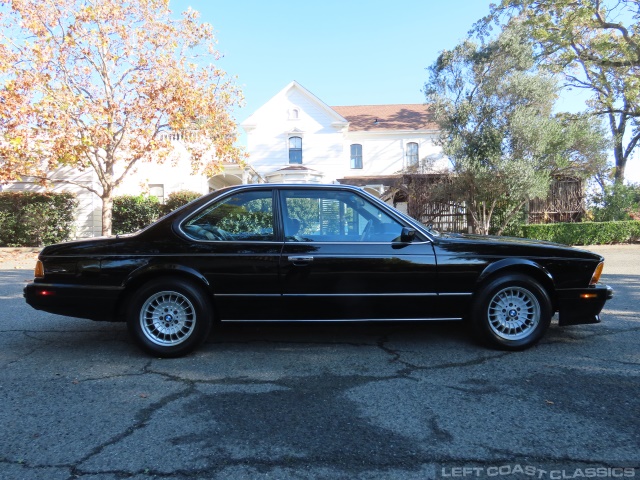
{"x": 45, "y": 293}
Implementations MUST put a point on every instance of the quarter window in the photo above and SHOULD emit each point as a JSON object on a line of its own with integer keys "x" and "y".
{"x": 295, "y": 150}
{"x": 412, "y": 154}
{"x": 245, "y": 216}
{"x": 356, "y": 156}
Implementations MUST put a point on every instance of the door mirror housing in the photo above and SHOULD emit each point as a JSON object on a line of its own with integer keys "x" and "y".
{"x": 407, "y": 235}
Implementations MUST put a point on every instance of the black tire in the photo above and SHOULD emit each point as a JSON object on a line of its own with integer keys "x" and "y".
{"x": 169, "y": 317}
{"x": 511, "y": 312}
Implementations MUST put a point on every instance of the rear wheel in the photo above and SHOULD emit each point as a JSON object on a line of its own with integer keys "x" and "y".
{"x": 169, "y": 317}
{"x": 512, "y": 312}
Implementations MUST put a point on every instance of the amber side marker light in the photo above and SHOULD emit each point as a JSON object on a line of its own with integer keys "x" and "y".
{"x": 596, "y": 275}
{"x": 589, "y": 295}
{"x": 39, "y": 273}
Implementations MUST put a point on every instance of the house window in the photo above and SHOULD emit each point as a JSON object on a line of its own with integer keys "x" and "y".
{"x": 294, "y": 114}
{"x": 157, "y": 190}
{"x": 295, "y": 150}
{"x": 412, "y": 154}
{"x": 356, "y": 155}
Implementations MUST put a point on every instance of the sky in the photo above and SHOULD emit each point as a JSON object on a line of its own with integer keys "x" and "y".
{"x": 346, "y": 52}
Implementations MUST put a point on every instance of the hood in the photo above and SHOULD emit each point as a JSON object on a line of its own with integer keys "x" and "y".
{"x": 501, "y": 239}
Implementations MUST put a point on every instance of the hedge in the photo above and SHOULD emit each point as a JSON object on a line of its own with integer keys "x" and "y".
{"x": 178, "y": 199}
{"x": 585, "y": 233}
{"x": 134, "y": 212}
{"x": 30, "y": 219}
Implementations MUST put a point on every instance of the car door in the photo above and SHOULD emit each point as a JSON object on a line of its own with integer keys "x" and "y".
{"x": 343, "y": 259}
{"x": 236, "y": 250}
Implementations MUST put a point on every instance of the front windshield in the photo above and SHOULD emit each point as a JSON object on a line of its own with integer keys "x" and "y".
{"x": 429, "y": 228}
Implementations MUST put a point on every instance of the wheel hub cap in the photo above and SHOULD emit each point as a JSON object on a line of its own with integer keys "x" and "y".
{"x": 513, "y": 313}
{"x": 167, "y": 318}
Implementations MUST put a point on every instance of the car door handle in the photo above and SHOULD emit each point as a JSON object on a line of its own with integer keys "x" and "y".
{"x": 300, "y": 260}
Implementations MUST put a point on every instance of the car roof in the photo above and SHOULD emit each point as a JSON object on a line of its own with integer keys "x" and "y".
{"x": 295, "y": 185}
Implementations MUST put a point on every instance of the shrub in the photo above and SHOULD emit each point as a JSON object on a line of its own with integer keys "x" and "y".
{"x": 133, "y": 212}
{"x": 618, "y": 202}
{"x": 178, "y": 199}
{"x": 30, "y": 219}
{"x": 585, "y": 233}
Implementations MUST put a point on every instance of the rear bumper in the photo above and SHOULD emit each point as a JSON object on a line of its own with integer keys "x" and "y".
{"x": 582, "y": 305}
{"x": 92, "y": 302}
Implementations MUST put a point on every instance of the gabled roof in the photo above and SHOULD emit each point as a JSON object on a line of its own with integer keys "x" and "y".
{"x": 388, "y": 117}
{"x": 331, "y": 113}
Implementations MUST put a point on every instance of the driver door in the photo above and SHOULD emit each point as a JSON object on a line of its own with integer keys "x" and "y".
{"x": 343, "y": 260}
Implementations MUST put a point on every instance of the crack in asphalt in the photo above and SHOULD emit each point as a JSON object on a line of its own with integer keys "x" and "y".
{"x": 412, "y": 367}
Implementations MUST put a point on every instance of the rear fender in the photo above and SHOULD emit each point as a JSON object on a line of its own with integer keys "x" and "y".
{"x": 149, "y": 272}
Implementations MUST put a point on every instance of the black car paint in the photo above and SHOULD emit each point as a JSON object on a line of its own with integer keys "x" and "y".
{"x": 432, "y": 277}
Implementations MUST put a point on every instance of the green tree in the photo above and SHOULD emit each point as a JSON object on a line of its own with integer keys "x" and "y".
{"x": 596, "y": 45}
{"x": 494, "y": 110}
{"x": 616, "y": 202}
{"x": 104, "y": 85}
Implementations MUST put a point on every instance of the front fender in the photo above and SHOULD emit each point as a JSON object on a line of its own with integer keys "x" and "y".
{"x": 522, "y": 265}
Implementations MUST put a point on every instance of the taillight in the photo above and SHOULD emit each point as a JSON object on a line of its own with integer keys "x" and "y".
{"x": 39, "y": 272}
{"x": 596, "y": 275}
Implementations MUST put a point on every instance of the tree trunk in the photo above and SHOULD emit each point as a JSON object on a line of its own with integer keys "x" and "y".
{"x": 107, "y": 212}
{"x": 621, "y": 161}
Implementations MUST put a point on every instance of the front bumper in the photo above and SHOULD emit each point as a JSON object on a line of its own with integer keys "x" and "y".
{"x": 82, "y": 301}
{"x": 582, "y": 305}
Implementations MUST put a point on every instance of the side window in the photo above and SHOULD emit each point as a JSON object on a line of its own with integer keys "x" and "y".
{"x": 245, "y": 216}
{"x": 330, "y": 216}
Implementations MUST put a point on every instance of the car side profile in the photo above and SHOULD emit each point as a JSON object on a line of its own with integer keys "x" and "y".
{"x": 312, "y": 253}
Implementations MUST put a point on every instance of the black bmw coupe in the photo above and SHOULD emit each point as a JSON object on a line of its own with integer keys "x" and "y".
{"x": 312, "y": 253}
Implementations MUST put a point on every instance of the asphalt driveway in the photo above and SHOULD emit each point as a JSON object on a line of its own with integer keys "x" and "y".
{"x": 406, "y": 401}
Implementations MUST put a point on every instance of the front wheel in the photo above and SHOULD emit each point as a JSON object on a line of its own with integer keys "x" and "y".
{"x": 169, "y": 317}
{"x": 512, "y": 312}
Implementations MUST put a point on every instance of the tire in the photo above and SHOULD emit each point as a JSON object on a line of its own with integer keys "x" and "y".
{"x": 511, "y": 312}
{"x": 169, "y": 317}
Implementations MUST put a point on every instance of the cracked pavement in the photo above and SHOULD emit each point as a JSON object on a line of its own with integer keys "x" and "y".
{"x": 358, "y": 401}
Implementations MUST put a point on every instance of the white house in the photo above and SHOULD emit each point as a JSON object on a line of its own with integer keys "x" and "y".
{"x": 296, "y": 137}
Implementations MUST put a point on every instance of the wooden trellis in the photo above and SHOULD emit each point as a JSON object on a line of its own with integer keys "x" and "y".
{"x": 565, "y": 203}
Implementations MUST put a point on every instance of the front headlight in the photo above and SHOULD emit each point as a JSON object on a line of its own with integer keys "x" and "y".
{"x": 39, "y": 272}
{"x": 596, "y": 275}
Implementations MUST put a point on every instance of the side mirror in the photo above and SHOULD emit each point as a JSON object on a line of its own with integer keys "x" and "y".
{"x": 407, "y": 235}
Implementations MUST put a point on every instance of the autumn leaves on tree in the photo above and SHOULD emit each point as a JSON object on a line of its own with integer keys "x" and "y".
{"x": 98, "y": 84}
